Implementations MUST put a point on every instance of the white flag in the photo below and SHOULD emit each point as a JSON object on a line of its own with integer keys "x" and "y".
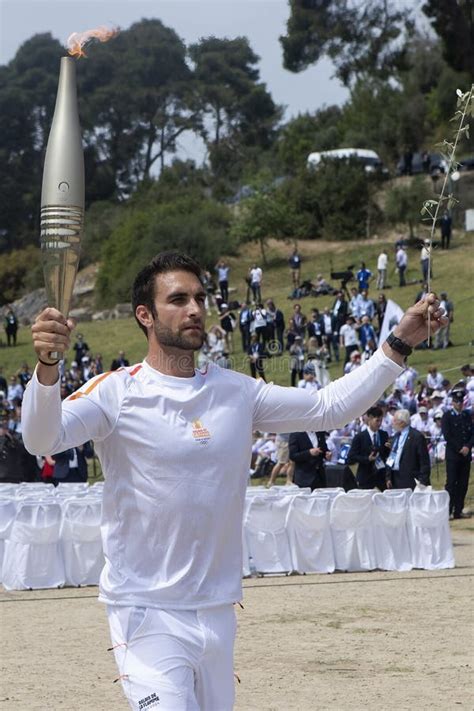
{"x": 393, "y": 316}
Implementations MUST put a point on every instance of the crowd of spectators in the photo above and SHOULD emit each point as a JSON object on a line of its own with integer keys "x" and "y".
{"x": 347, "y": 330}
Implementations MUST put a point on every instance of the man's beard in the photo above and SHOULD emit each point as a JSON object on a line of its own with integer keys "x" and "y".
{"x": 182, "y": 340}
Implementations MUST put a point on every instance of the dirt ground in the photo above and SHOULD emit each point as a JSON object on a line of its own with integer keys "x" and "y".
{"x": 343, "y": 641}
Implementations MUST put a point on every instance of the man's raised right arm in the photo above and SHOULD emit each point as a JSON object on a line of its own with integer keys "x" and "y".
{"x": 48, "y": 426}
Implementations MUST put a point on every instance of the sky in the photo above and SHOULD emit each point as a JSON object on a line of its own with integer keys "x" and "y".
{"x": 262, "y": 21}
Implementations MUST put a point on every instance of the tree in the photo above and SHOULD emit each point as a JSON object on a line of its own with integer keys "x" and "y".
{"x": 360, "y": 38}
{"x": 135, "y": 128}
{"x": 27, "y": 94}
{"x": 307, "y": 133}
{"x": 262, "y": 216}
{"x": 231, "y": 96}
{"x": 190, "y": 223}
{"x": 403, "y": 203}
{"x": 332, "y": 202}
{"x": 453, "y": 21}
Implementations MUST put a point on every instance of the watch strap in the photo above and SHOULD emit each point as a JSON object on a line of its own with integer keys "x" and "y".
{"x": 398, "y": 345}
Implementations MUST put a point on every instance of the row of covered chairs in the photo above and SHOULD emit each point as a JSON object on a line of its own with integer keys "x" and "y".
{"x": 46, "y": 543}
{"x": 354, "y": 531}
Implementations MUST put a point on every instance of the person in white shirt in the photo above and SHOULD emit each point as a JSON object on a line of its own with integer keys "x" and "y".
{"x": 382, "y": 264}
{"x": 425, "y": 259}
{"x": 421, "y": 421}
{"x": 15, "y": 389}
{"x": 401, "y": 260}
{"x": 255, "y": 278}
{"x": 348, "y": 338}
{"x": 174, "y": 445}
{"x": 434, "y": 380}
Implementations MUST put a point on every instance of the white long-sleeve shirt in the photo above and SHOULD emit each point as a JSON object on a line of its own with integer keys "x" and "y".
{"x": 175, "y": 455}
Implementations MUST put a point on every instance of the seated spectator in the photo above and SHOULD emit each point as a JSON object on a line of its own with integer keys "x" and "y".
{"x": 14, "y": 422}
{"x": 434, "y": 380}
{"x": 354, "y": 362}
{"x": 321, "y": 287}
{"x": 437, "y": 402}
{"x": 421, "y": 421}
{"x": 15, "y": 390}
{"x": 24, "y": 375}
{"x": 309, "y": 381}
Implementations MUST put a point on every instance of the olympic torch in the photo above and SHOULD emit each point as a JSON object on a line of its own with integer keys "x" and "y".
{"x": 62, "y": 195}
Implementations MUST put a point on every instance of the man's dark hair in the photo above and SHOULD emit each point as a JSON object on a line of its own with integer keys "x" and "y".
{"x": 374, "y": 411}
{"x": 143, "y": 289}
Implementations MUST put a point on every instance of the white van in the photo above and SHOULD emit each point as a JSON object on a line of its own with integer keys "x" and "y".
{"x": 369, "y": 159}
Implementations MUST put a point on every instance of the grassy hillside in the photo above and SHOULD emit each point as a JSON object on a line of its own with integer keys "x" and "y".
{"x": 452, "y": 273}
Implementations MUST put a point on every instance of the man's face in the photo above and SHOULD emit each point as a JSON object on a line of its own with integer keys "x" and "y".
{"x": 398, "y": 424}
{"x": 374, "y": 423}
{"x": 180, "y": 311}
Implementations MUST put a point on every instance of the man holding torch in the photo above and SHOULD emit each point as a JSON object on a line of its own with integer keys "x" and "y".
{"x": 174, "y": 445}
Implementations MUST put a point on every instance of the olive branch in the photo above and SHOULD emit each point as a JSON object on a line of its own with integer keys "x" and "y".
{"x": 431, "y": 208}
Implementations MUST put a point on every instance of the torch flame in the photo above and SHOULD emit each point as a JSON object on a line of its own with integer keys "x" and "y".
{"x": 77, "y": 40}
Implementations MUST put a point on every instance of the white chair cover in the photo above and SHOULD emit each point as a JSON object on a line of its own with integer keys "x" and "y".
{"x": 351, "y": 527}
{"x": 394, "y": 492}
{"x": 33, "y": 557}
{"x": 309, "y": 534}
{"x": 428, "y": 527}
{"x": 266, "y": 534}
{"x": 72, "y": 486}
{"x": 389, "y": 515}
{"x": 81, "y": 542}
{"x": 332, "y": 492}
{"x": 7, "y": 516}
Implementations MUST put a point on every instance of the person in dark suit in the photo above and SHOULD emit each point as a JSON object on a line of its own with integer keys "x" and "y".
{"x": 71, "y": 465}
{"x": 256, "y": 354}
{"x": 408, "y": 459}
{"x": 120, "y": 362}
{"x": 369, "y": 450}
{"x": 458, "y": 431}
{"x": 308, "y": 451}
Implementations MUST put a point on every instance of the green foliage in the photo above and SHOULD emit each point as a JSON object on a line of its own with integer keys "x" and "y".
{"x": 264, "y": 215}
{"x": 307, "y": 133}
{"x": 332, "y": 201}
{"x": 360, "y": 38}
{"x": 100, "y": 221}
{"x": 19, "y": 270}
{"x": 454, "y": 23}
{"x": 404, "y": 201}
{"x": 191, "y": 223}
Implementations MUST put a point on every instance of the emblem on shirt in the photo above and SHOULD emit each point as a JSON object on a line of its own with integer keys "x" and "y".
{"x": 200, "y": 433}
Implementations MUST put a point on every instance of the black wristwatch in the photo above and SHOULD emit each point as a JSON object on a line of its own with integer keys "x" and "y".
{"x": 398, "y": 345}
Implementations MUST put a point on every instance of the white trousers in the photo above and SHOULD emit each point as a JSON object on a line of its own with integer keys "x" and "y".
{"x": 175, "y": 660}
